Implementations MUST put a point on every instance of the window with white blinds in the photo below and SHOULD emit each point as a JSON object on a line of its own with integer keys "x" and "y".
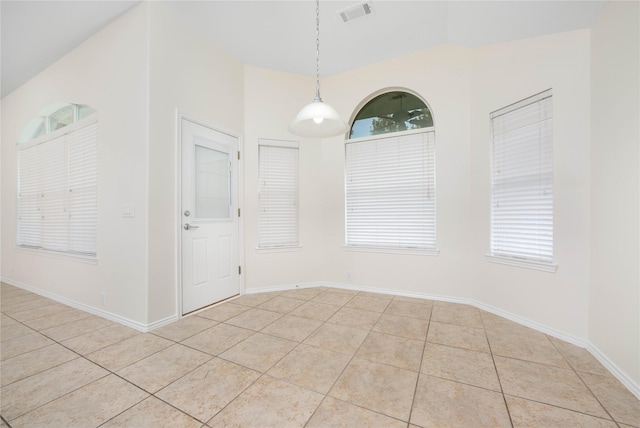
{"x": 522, "y": 181}
{"x": 390, "y": 193}
{"x": 57, "y": 190}
{"x": 278, "y": 194}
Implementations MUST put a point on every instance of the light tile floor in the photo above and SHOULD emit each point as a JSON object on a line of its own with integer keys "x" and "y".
{"x": 316, "y": 357}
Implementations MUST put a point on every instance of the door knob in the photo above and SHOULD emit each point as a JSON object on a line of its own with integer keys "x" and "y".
{"x": 187, "y": 226}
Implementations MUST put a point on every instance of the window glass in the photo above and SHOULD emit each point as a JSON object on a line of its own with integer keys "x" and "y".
{"x": 391, "y": 112}
{"x": 61, "y": 118}
{"x": 51, "y": 122}
{"x": 212, "y": 183}
{"x": 84, "y": 111}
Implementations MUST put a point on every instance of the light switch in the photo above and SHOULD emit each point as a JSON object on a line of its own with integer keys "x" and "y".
{"x": 129, "y": 210}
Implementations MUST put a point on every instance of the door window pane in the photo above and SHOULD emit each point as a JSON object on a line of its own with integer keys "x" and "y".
{"x": 212, "y": 183}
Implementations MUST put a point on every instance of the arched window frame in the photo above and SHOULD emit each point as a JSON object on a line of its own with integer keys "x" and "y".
{"x": 408, "y": 227}
{"x": 57, "y": 183}
{"x": 414, "y": 101}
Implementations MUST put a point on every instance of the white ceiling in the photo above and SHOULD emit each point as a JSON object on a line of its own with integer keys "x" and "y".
{"x": 280, "y": 35}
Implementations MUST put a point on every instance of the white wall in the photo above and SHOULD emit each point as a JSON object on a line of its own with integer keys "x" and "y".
{"x": 462, "y": 87}
{"x": 441, "y": 77}
{"x": 272, "y": 99}
{"x": 503, "y": 74}
{"x": 191, "y": 75}
{"x": 108, "y": 72}
{"x": 614, "y": 295}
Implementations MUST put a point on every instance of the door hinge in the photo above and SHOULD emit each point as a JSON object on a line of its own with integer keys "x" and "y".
{"x": 238, "y": 212}
{"x": 239, "y": 270}
{"x": 238, "y": 154}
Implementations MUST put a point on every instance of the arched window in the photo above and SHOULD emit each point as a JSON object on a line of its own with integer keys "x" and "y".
{"x": 393, "y": 111}
{"x": 57, "y": 181}
{"x": 55, "y": 117}
{"x": 390, "y": 176}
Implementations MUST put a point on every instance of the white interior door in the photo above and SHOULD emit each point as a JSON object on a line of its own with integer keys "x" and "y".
{"x": 210, "y": 248}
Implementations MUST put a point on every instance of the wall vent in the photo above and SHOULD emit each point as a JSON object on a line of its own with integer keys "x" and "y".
{"x": 357, "y": 11}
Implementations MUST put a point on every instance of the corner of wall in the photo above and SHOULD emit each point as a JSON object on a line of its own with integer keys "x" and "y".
{"x": 614, "y": 293}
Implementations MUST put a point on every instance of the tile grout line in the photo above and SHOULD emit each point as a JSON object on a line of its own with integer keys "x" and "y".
{"x": 495, "y": 367}
{"x": 5, "y": 421}
{"x": 424, "y": 347}
{"x": 326, "y": 394}
{"x": 262, "y": 374}
{"x": 152, "y": 394}
{"x": 205, "y": 423}
{"x": 551, "y": 366}
{"x": 351, "y": 359}
{"x": 585, "y": 385}
{"x": 341, "y": 372}
{"x": 79, "y": 355}
{"x": 109, "y": 372}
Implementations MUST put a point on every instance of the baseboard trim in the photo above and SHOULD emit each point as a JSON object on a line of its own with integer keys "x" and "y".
{"x": 615, "y": 370}
{"x": 144, "y": 328}
{"x": 632, "y": 386}
{"x": 286, "y": 287}
{"x": 162, "y": 322}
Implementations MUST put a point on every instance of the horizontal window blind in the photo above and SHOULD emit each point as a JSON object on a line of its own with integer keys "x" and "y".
{"x": 57, "y": 191}
{"x": 278, "y": 194}
{"x": 522, "y": 180}
{"x": 390, "y": 192}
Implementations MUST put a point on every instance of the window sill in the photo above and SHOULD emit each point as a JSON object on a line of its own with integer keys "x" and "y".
{"x": 93, "y": 260}
{"x": 278, "y": 249}
{"x": 412, "y": 251}
{"x": 524, "y": 263}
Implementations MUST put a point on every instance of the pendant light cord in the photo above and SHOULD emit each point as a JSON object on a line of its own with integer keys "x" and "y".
{"x": 317, "y": 98}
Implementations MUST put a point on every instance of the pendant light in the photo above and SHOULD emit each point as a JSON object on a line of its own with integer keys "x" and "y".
{"x": 318, "y": 120}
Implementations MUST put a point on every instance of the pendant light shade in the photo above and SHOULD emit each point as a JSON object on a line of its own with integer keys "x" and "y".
{"x": 318, "y": 120}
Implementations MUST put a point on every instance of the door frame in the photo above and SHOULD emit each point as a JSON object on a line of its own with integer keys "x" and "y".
{"x": 179, "y": 117}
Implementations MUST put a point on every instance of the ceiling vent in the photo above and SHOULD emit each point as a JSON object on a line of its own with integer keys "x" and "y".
{"x": 357, "y": 11}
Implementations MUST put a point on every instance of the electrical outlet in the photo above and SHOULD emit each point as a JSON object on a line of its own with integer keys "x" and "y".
{"x": 349, "y": 276}
{"x": 103, "y": 298}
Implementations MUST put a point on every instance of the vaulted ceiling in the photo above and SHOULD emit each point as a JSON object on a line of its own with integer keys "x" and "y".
{"x": 280, "y": 35}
